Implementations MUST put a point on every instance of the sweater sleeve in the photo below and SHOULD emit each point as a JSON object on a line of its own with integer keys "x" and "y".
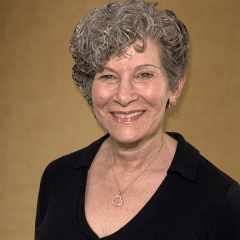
{"x": 228, "y": 222}
{"x": 41, "y": 205}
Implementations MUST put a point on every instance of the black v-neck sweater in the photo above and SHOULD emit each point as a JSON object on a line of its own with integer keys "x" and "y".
{"x": 195, "y": 201}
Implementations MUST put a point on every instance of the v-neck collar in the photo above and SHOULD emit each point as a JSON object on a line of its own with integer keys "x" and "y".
{"x": 185, "y": 163}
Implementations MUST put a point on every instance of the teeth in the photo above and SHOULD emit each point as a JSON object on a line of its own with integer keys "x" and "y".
{"x": 128, "y": 115}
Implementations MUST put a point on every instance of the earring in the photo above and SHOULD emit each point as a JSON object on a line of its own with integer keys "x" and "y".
{"x": 172, "y": 109}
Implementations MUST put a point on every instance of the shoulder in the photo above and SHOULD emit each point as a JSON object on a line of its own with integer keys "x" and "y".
{"x": 224, "y": 192}
{"x": 207, "y": 190}
{"x": 75, "y": 160}
{"x": 197, "y": 171}
{"x": 217, "y": 185}
{"x": 208, "y": 171}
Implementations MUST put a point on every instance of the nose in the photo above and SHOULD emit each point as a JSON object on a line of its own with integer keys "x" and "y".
{"x": 125, "y": 93}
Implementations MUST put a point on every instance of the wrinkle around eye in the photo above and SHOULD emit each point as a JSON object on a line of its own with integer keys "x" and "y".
{"x": 147, "y": 75}
{"x": 144, "y": 77}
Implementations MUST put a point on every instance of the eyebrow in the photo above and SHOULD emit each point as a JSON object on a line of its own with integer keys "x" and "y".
{"x": 146, "y": 65}
{"x": 136, "y": 68}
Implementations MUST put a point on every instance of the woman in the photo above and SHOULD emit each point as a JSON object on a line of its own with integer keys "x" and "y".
{"x": 137, "y": 182}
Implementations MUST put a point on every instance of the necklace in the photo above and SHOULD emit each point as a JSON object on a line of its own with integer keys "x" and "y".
{"x": 117, "y": 200}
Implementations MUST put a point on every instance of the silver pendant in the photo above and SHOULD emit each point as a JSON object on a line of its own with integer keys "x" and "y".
{"x": 117, "y": 200}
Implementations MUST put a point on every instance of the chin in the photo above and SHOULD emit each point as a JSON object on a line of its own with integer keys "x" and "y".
{"x": 126, "y": 136}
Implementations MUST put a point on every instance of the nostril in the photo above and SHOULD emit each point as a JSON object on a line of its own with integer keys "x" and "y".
{"x": 125, "y": 93}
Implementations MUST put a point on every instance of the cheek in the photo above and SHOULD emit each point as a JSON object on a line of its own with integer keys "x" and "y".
{"x": 152, "y": 95}
{"x": 100, "y": 94}
{"x": 155, "y": 94}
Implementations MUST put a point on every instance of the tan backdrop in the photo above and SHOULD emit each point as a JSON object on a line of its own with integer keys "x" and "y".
{"x": 44, "y": 116}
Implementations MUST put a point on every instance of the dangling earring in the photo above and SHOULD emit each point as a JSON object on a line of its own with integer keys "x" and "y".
{"x": 172, "y": 109}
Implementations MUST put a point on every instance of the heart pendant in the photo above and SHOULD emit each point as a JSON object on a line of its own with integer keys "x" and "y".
{"x": 117, "y": 201}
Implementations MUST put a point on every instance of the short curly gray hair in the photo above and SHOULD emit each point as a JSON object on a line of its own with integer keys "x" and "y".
{"x": 112, "y": 28}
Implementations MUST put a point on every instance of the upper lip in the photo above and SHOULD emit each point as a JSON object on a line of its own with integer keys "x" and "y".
{"x": 127, "y": 112}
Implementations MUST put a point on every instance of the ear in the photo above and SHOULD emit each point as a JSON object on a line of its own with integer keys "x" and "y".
{"x": 176, "y": 93}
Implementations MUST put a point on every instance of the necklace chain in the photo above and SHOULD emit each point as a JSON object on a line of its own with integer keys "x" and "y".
{"x": 117, "y": 200}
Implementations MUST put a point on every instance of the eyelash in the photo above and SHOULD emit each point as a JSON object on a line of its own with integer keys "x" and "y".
{"x": 140, "y": 77}
{"x": 108, "y": 76}
{"x": 150, "y": 75}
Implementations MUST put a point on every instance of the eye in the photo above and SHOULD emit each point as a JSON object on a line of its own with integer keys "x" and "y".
{"x": 107, "y": 76}
{"x": 146, "y": 75}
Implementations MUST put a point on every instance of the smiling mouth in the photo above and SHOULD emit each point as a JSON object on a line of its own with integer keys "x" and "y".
{"x": 128, "y": 116}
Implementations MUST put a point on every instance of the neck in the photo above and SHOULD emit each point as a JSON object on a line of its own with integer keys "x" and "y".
{"x": 132, "y": 156}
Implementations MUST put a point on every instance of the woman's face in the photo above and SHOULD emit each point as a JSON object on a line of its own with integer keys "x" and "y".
{"x": 130, "y": 95}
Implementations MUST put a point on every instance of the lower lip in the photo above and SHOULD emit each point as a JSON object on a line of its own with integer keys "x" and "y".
{"x": 127, "y": 120}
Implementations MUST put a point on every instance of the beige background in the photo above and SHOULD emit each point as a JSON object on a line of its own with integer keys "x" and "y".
{"x": 44, "y": 116}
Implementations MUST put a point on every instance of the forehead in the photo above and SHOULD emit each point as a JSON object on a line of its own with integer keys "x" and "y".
{"x": 131, "y": 58}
